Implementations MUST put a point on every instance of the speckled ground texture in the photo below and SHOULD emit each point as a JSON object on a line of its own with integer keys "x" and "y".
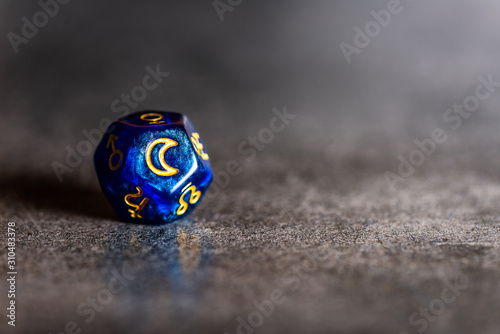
{"x": 311, "y": 218}
{"x": 349, "y": 255}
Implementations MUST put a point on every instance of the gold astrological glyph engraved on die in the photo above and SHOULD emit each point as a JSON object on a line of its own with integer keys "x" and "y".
{"x": 111, "y": 141}
{"x": 136, "y": 207}
{"x": 193, "y": 199}
{"x": 168, "y": 143}
{"x": 195, "y": 139}
{"x": 153, "y": 118}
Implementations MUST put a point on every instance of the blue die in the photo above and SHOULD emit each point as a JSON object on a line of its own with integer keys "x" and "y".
{"x": 153, "y": 167}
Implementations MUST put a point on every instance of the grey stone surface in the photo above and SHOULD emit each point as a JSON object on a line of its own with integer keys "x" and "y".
{"x": 311, "y": 222}
{"x": 348, "y": 255}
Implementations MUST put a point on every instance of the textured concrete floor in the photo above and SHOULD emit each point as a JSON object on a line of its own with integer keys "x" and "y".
{"x": 337, "y": 250}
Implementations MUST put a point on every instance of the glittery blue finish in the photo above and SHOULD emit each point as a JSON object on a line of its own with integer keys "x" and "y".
{"x": 163, "y": 193}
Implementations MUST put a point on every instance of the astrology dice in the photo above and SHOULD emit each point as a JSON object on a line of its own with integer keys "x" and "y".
{"x": 153, "y": 167}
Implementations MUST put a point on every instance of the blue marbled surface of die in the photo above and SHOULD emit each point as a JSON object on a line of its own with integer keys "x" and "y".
{"x": 153, "y": 167}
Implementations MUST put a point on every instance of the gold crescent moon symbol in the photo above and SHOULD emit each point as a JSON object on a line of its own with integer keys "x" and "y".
{"x": 169, "y": 171}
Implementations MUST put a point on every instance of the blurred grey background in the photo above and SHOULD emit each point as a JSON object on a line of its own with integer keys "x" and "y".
{"x": 227, "y": 76}
{"x": 318, "y": 185}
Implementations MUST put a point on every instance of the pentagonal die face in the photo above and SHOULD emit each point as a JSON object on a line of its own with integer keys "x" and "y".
{"x": 153, "y": 167}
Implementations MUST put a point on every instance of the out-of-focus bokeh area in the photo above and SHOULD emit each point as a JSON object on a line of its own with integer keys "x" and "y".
{"x": 227, "y": 76}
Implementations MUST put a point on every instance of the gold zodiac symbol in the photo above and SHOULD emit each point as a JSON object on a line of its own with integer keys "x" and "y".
{"x": 152, "y": 118}
{"x": 195, "y": 197}
{"x": 169, "y": 171}
{"x": 111, "y": 141}
{"x": 138, "y": 207}
{"x": 195, "y": 139}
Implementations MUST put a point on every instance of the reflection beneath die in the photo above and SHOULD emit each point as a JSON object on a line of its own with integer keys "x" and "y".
{"x": 169, "y": 256}
{"x": 189, "y": 251}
